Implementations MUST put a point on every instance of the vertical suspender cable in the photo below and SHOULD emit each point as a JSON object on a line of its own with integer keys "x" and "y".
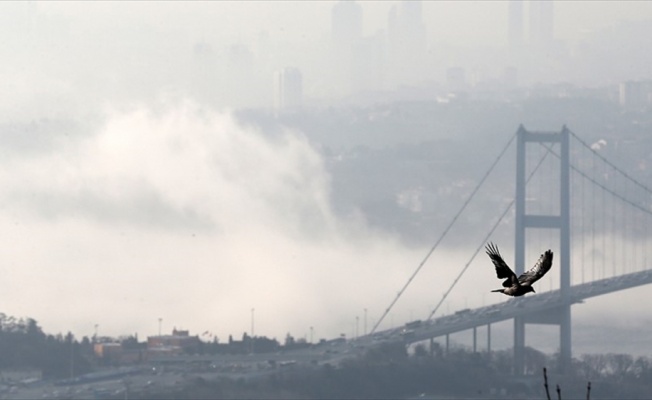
{"x": 593, "y": 220}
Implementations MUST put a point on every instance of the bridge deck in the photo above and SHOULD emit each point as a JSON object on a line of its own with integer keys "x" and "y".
{"x": 538, "y": 308}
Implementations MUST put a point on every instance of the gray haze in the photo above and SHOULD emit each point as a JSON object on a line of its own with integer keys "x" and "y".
{"x": 192, "y": 161}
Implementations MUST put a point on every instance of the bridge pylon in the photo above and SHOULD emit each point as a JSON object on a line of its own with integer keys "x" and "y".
{"x": 562, "y": 315}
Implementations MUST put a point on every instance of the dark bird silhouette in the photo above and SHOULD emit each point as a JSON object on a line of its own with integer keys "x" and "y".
{"x": 513, "y": 286}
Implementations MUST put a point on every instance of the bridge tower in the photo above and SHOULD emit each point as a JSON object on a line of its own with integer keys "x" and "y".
{"x": 562, "y": 315}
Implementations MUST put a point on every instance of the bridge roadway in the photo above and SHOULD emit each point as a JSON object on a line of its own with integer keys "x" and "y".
{"x": 537, "y": 308}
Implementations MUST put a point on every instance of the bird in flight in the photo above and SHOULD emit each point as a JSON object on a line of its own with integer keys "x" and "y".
{"x": 518, "y": 286}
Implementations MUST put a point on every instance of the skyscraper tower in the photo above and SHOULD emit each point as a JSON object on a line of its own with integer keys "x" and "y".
{"x": 405, "y": 26}
{"x": 515, "y": 27}
{"x": 346, "y": 35}
{"x": 406, "y": 35}
{"x": 288, "y": 89}
{"x": 346, "y": 23}
{"x": 541, "y": 23}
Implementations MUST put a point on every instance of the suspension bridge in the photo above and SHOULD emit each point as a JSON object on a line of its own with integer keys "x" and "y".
{"x": 598, "y": 214}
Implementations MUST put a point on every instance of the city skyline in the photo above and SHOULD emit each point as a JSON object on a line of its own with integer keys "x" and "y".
{"x": 205, "y": 55}
{"x": 438, "y": 16}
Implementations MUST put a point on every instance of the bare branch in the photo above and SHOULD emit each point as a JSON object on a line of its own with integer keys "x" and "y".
{"x": 545, "y": 383}
{"x": 588, "y": 391}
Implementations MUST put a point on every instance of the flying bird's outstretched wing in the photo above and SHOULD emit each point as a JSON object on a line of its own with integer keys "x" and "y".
{"x": 540, "y": 268}
{"x": 502, "y": 269}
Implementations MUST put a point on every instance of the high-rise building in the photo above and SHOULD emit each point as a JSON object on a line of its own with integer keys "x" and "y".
{"x": 346, "y": 35}
{"x": 406, "y": 34}
{"x": 515, "y": 27}
{"x": 541, "y": 23}
{"x": 288, "y": 89}
{"x": 346, "y": 23}
{"x": 405, "y": 26}
{"x": 634, "y": 95}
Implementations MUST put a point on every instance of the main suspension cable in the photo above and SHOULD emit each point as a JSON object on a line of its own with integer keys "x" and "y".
{"x": 444, "y": 233}
{"x": 625, "y": 174}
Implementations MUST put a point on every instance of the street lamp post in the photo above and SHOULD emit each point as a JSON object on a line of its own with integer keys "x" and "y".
{"x": 357, "y": 324}
{"x": 160, "y": 320}
{"x": 365, "y": 321}
{"x": 252, "y": 330}
{"x": 252, "y": 322}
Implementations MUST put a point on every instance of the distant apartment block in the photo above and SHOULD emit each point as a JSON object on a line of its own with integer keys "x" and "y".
{"x": 516, "y": 24}
{"x": 541, "y": 23}
{"x": 346, "y": 23}
{"x": 288, "y": 89}
{"x": 635, "y": 95}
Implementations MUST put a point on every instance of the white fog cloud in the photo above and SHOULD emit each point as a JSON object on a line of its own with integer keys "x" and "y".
{"x": 185, "y": 215}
